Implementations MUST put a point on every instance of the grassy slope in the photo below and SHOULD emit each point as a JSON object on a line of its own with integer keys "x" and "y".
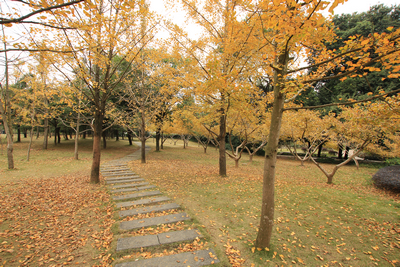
{"x": 50, "y": 214}
{"x": 347, "y": 224}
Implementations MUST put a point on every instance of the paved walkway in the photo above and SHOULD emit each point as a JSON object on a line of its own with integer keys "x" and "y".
{"x": 131, "y": 191}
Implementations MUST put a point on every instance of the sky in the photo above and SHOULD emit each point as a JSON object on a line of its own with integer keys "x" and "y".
{"x": 359, "y": 6}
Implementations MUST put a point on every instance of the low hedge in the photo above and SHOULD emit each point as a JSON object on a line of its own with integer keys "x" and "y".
{"x": 388, "y": 178}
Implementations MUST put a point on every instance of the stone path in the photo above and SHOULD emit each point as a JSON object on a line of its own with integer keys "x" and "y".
{"x": 126, "y": 185}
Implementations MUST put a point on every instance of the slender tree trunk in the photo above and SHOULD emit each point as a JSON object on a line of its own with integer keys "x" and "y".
{"x": 37, "y": 132}
{"x": 250, "y": 158}
{"x": 143, "y": 137}
{"x": 320, "y": 150}
{"x": 340, "y": 153}
{"x": 76, "y": 152}
{"x": 58, "y": 135}
{"x": 162, "y": 140}
{"x": 158, "y": 135}
{"x": 104, "y": 140}
{"x": 19, "y": 134}
{"x": 97, "y": 134}
{"x": 129, "y": 138}
{"x": 268, "y": 197}
{"x": 46, "y": 133}
{"x": 222, "y": 149}
{"x": 30, "y": 145}
{"x": 116, "y": 135}
{"x": 25, "y": 133}
{"x": 84, "y": 135}
{"x": 10, "y": 149}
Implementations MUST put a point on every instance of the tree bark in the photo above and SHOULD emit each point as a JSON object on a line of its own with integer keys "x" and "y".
{"x": 58, "y": 135}
{"x": 76, "y": 152}
{"x": 30, "y": 145}
{"x": 104, "y": 140}
{"x": 129, "y": 138}
{"x": 116, "y": 135}
{"x": 158, "y": 140}
{"x": 143, "y": 136}
{"x": 268, "y": 197}
{"x": 97, "y": 133}
{"x": 46, "y": 133}
{"x": 10, "y": 149}
{"x": 222, "y": 148}
{"x": 19, "y": 134}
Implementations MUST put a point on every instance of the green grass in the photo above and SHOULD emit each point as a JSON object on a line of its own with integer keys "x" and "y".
{"x": 349, "y": 223}
{"x": 56, "y": 160}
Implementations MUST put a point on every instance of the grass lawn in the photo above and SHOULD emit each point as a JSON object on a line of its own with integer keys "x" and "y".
{"x": 349, "y": 223}
{"x": 50, "y": 214}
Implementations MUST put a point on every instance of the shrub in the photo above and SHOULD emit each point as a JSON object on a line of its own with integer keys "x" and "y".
{"x": 388, "y": 178}
{"x": 393, "y": 161}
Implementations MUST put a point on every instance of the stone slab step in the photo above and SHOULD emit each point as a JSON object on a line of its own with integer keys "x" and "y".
{"x": 193, "y": 259}
{"x": 145, "y": 201}
{"x": 124, "y": 181}
{"x": 171, "y": 218}
{"x": 127, "y": 185}
{"x": 136, "y": 195}
{"x": 114, "y": 169}
{"x": 115, "y": 164}
{"x": 122, "y": 178}
{"x": 155, "y": 240}
{"x": 125, "y": 173}
{"x": 139, "y": 186}
{"x": 163, "y": 207}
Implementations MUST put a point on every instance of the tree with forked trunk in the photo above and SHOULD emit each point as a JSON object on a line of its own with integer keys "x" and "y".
{"x": 106, "y": 41}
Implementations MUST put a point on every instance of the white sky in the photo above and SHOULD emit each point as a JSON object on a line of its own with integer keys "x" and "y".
{"x": 359, "y": 6}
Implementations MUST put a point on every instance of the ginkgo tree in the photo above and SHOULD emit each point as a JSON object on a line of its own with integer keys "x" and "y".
{"x": 306, "y": 128}
{"x": 221, "y": 58}
{"x": 290, "y": 31}
{"x": 106, "y": 34}
{"x": 371, "y": 125}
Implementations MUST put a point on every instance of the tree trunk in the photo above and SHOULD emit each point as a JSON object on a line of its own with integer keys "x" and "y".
{"x": 37, "y": 132}
{"x": 222, "y": 149}
{"x": 76, "y": 152}
{"x": 162, "y": 141}
{"x": 143, "y": 136}
{"x": 97, "y": 133}
{"x": 84, "y": 135}
{"x": 25, "y": 133}
{"x": 268, "y": 197}
{"x": 104, "y": 140}
{"x": 250, "y": 158}
{"x": 236, "y": 163}
{"x": 46, "y": 133}
{"x": 340, "y": 153}
{"x": 30, "y": 145}
{"x": 158, "y": 140}
{"x": 130, "y": 138}
{"x": 346, "y": 152}
{"x": 58, "y": 135}
{"x": 19, "y": 134}
{"x": 116, "y": 135}
{"x": 320, "y": 150}
{"x": 205, "y": 149}
{"x": 10, "y": 149}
